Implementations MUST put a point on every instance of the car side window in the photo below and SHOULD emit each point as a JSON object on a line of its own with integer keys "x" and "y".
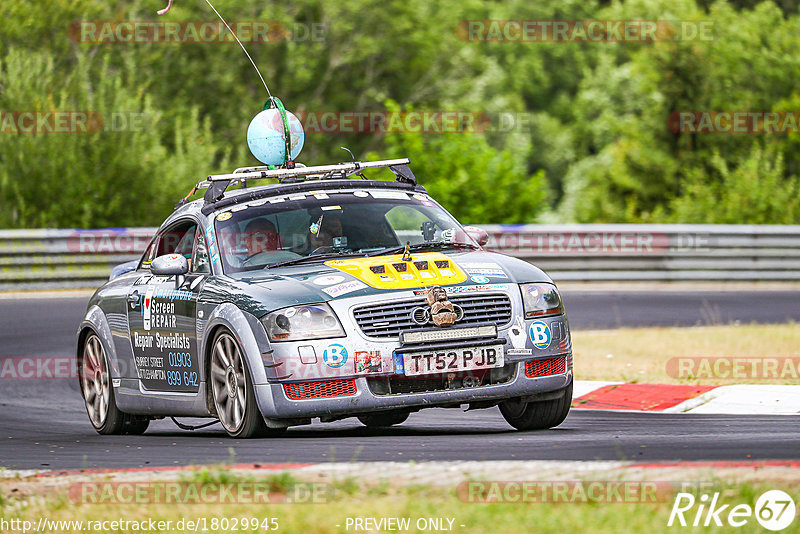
{"x": 200, "y": 263}
{"x": 178, "y": 239}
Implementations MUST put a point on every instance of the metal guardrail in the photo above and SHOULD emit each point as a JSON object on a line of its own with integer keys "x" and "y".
{"x": 661, "y": 252}
{"x": 42, "y": 259}
{"x": 56, "y": 259}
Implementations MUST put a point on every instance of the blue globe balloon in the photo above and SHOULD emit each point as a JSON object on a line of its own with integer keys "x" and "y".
{"x": 266, "y": 139}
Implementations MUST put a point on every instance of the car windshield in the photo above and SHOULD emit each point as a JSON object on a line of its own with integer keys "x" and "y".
{"x": 319, "y": 225}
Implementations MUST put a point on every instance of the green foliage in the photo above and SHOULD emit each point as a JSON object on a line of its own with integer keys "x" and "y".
{"x": 594, "y": 147}
{"x": 630, "y": 167}
{"x": 475, "y": 181}
{"x": 126, "y": 165}
{"x": 753, "y": 189}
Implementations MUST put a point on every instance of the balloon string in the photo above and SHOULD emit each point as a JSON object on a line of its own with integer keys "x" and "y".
{"x": 166, "y": 9}
{"x": 169, "y": 6}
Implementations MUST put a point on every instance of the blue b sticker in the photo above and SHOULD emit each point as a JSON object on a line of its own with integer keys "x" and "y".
{"x": 399, "y": 366}
{"x": 480, "y": 279}
{"x": 540, "y": 334}
{"x": 335, "y": 356}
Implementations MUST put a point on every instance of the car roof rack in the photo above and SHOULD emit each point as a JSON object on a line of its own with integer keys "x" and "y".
{"x": 216, "y": 184}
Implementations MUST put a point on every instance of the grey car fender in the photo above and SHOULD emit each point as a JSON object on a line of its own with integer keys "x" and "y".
{"x": 248, "y": 332}
{"x": 253, "y": 341}
{"x": 95, "y": 319}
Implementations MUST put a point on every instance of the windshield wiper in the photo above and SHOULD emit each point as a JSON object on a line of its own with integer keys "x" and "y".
{"x": 421, "y": 246}
{"x": 313, "y": 257}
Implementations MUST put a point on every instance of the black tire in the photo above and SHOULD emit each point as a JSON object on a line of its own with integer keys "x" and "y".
{"x": 93, "y": 376}
{"x": 250, "y": 423}
{"x": 137, "y": 426}
{"x": 382, "y": 420}
{"x": 537, "y": 415}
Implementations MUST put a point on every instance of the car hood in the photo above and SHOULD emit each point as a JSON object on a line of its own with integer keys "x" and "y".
{"x": 260, "y": 292}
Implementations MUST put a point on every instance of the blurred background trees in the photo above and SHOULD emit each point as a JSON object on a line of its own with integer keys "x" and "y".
{"x": 594, "y": 145}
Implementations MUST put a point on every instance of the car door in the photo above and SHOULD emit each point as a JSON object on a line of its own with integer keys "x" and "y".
{"x": 162, "y": 318}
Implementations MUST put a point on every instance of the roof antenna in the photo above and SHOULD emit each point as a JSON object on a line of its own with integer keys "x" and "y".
{"x": 358, "y": 173}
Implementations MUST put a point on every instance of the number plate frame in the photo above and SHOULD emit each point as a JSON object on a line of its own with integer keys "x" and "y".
{"x": 429, "y": 362}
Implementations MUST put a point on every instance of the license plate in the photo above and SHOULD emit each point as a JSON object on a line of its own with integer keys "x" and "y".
{"x": 452, "y": 360}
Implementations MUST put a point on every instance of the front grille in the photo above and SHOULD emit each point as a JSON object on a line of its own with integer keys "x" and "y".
{"x": 318, "y": 390}
{"x": 387, "y": 320}
{"x": 546, "y": 367}
{"x": 400, "y": 384}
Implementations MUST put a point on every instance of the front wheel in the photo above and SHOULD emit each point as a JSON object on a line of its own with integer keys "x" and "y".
{"x": 537, "y": 415}
{"x": 98, "y": 395}
{"x": 232, "y": 390}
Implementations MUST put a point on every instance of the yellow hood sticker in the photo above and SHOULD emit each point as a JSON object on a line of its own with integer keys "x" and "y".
{"x": 391, "y": 272}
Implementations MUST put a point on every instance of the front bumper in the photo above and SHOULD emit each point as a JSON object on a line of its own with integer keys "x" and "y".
{"x": 311, "y": 362}
{"x": 275, "y": 404}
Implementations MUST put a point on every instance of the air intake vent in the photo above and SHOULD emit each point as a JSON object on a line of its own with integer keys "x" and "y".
{"x": 546, "y": 367}
{"x": 320, "y": 390}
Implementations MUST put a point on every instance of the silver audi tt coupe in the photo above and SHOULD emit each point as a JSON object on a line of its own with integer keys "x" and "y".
{"x": 322, "y": 296}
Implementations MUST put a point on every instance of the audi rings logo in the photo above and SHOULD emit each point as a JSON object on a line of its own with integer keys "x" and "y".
{"x": 422, "y": 316}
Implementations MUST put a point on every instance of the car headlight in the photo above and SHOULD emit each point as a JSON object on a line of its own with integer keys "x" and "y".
{"x": 540, "y": 300}
{"x": 302, "y": 322}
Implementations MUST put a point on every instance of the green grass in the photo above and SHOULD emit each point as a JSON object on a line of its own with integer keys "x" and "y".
{"x": 641, "y": 354}
{"x": 213, "y": 475}
{"x": 354, "y": 499}
{"x": 281, "y": 483}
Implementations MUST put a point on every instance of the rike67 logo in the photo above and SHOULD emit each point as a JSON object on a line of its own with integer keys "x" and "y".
{"x": 774, "y": 510}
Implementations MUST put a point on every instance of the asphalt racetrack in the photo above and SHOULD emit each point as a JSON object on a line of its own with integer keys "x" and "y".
{"x": 43, "y": 424}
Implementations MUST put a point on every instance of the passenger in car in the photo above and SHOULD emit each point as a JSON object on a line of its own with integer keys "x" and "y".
{"x": 331, "y": 227}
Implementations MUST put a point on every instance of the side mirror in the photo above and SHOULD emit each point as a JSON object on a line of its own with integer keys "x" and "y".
{"x": 171, "y": 265}
{"x": 478, "y": 234}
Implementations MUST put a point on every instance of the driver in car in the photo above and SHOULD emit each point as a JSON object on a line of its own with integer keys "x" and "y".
{"x": 260, "y": 236}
